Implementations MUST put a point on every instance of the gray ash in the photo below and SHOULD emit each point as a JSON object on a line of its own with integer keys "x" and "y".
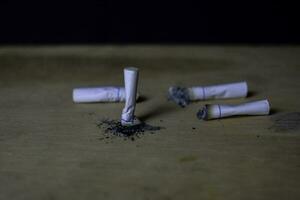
{"x": 115, "y": 128}
{"x": 179, "y": 95}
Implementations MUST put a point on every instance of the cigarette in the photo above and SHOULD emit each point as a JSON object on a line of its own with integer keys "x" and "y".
{"x": 183, "y": 96}
{"x": 131, "y": 80}
{"x": 99, "y": 94}
{"x": 217, "y": 111}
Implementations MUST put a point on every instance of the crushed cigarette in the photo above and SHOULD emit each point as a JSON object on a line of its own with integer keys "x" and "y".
{"x": 183, "y": 96}
{"x": 217, "y": 111}
{"x": 131, "y": 81}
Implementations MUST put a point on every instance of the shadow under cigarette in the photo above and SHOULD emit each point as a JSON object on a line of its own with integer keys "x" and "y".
{"x": 274, "y": 111}
{"x": 251, "y": 94}
{"x": 142, "y": 98}
{"x": 159, "y": 110}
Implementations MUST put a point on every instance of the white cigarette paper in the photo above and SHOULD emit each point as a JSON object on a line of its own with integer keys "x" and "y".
{"x": 216, "y": 111}
{"x": 182, "y": 96}
{"x": 131, "y": 80}
{"x": 222, "y": 91}
{"x": 99, "y": 94}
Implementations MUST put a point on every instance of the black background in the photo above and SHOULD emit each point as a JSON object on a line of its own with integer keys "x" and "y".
{"x": 172, "y": 22}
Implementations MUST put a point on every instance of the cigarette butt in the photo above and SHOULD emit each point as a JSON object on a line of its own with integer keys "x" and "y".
{"x": 99, "y": 94}
{"x": 222, "y": 91}
{"x": 217, "y": 111}
{"x": 131, "y": 80}
{"x": 183, "y": 96}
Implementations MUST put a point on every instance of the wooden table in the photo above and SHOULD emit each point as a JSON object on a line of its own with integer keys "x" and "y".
{"x": 50, "y": 148}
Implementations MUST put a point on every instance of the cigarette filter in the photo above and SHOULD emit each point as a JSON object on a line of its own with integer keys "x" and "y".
{"x": 99, "y": 94}
{"x": 131, "y": 80}
{"x": 216, "y": 111}
{"x": 182, "y": 96}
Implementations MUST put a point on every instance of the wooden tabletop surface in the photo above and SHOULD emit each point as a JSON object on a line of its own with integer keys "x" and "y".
{"x": 51, "y": 148}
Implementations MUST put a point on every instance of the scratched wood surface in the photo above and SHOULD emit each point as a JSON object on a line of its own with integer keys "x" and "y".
{"x": 50, "y": 147}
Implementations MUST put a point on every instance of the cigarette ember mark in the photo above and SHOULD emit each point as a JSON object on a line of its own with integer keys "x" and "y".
{"x": 179, "y": 95}
{"x": 203, "y": 113}
{"x": 114, "y": 128}
{"x": 286, "y": 122}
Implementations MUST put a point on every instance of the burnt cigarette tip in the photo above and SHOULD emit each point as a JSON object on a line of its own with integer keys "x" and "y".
{"x": 202, "y": 113}
{"x": 179, "y": 95}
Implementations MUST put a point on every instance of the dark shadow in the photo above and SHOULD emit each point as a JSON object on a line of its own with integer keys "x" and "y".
{"x": 159, "y": 110}
{"x": 251, "y": 94}
{"x": 142, "y": 98}
{"x": 274, "y": 111}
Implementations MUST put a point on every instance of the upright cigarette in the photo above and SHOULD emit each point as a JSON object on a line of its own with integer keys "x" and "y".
{"x": 216, "y": 111}
{"x": 99, "y": 94}
{"x": 131, "y": 80}
{"x": 182, "y": 96}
